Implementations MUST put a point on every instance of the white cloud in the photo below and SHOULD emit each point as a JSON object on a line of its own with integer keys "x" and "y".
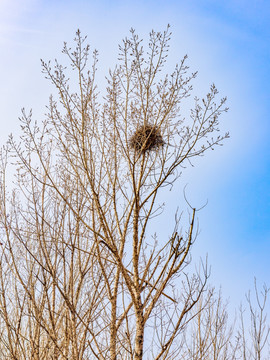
{"x": 12, "y": 14}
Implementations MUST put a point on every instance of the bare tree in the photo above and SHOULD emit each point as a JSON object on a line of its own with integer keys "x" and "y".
{"x": 254, "y": 338}
{"x": 210, "y": 335}
{"x": 82, "y": 275}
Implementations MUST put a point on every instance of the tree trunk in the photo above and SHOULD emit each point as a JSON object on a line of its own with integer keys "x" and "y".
{"x": 139, "y": 334}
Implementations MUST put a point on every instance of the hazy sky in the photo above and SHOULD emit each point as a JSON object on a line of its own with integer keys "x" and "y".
{"x": 228, "y": 43}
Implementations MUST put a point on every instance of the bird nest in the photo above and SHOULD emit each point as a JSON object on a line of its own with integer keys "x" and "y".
{"x": 146, "y": 138}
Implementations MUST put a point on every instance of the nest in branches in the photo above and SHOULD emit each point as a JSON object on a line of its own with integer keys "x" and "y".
{"x": 146, "y": 138}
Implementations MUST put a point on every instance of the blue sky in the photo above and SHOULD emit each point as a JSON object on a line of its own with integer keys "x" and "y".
{"x": 228, "y": 43}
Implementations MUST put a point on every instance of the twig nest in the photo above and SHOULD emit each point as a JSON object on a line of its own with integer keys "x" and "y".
{"x": 146, "y": 138}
